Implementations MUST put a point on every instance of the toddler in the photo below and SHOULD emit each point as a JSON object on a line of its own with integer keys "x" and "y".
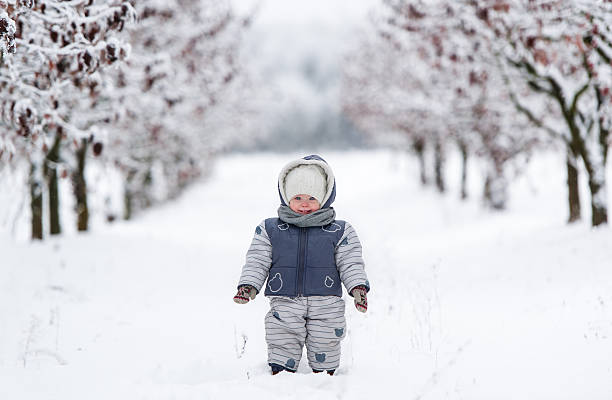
{"x": 304, "y": 254}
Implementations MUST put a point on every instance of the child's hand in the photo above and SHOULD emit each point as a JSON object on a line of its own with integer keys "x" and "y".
{"x": 245, "y": 293}
{"x": 361, "y": 298}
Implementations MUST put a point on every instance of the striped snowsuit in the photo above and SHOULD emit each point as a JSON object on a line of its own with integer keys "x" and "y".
{"x": 312, "y": 320}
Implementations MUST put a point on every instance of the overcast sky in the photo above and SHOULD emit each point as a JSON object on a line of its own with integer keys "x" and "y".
{"x": 295, "y": 49}
{"x": 285, "y": 31}
{"x": 338, "y": 13}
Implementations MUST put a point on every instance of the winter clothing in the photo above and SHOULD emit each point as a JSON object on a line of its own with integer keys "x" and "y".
{"x": 329, "y": 372}
{"x": 315, "y": 273}
{"x": 330, "y": 195}
{"x": 302, "y": 259}
{"x": 346, "y": 258}
{"x": 306, "y": 179}
{"x": 245, "y": 293}
{"x": 361, "y": 298}
{"x": 324, "y": 216}
{"x": 317, "y": 321}
{"x": 278, "y": 368}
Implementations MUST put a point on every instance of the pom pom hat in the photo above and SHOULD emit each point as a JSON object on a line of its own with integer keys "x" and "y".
{"x": 309, "y": 175}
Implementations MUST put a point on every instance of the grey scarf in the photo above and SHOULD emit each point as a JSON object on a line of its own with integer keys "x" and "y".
{"x": 322, "y": 217}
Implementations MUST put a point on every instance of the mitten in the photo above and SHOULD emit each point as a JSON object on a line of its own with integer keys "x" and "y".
{"x": 245, "y": 293}
{"x": 361, "y": 299}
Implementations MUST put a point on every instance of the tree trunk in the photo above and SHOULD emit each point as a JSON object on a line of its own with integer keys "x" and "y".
{"x": 598, "y": 203}
{"x": 36, "y": 202}
{"x": 127, "y": 204}
{"x": 496, "y": 191}
{"x": 128, "y": 195}
{"x": 597, "y": 186}
{"x": 419, "y": 147}
{"x": 572, "y": 186}
{"x": 79, "y": 186}
{"x": 595, "y": 164}
{"x": 51, "y": 162}
{"x": 439, "y": 165}
{"x": 137, "y": 192}
{"x": 464, "y": 161}
{"x": 146, "y": 199}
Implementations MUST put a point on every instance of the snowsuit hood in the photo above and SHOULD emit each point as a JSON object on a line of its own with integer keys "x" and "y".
{"x": 330, "y": 193}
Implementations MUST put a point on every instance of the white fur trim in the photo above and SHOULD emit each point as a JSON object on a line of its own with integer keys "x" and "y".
{"x": 301, "y": 161}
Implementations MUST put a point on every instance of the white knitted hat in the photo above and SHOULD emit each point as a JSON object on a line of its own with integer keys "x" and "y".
{"x": 306, "y": 179}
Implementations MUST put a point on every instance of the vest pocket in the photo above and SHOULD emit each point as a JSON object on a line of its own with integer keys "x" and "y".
{"x": 281, "y": 281}
{"x": 322, "y": 281}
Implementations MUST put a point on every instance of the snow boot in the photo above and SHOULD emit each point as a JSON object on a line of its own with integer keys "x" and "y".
{"x": 329, "y": 371}
{"x": 278, "y": 368}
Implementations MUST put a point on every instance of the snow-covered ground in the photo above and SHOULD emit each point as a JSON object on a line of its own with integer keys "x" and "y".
{"x": 465, "y": 303}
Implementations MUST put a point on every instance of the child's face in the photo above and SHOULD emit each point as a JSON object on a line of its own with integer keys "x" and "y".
{"x": 304, "y": 204}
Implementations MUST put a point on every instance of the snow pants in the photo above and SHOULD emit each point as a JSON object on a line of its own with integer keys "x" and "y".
{"x": 317, "y": 321}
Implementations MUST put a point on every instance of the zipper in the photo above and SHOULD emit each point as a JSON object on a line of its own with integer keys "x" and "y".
{"x": 301, "y": 262}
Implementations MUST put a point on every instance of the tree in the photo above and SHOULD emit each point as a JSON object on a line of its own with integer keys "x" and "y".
{"x": 382, "y": 93}
{"x": 183, "y": 66}
{"x": 562, "y": 50}
{"x": 159, "y": 118}
{"x": 50, "y": 49}
{"x": 440, "y": 84}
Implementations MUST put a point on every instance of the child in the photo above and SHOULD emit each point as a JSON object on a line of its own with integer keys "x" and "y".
{"x": 304, "y": 254}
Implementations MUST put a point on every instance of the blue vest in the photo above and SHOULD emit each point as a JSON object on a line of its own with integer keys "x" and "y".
{"x": 303, "y": 259}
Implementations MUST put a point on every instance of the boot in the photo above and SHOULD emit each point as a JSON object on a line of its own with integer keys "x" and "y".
{"x": 278, "y": 368}
{"x": 329, "y": 371}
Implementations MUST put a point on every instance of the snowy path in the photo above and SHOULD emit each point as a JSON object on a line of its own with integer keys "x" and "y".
{"x": 464, "y": 303}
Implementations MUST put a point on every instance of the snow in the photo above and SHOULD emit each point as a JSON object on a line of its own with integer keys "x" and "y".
{"x": 465, "y": 303}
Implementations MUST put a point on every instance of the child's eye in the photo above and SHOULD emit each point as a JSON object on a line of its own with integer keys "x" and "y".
{"x": 297, "y": 198}
{"x": 312, "y": 198}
